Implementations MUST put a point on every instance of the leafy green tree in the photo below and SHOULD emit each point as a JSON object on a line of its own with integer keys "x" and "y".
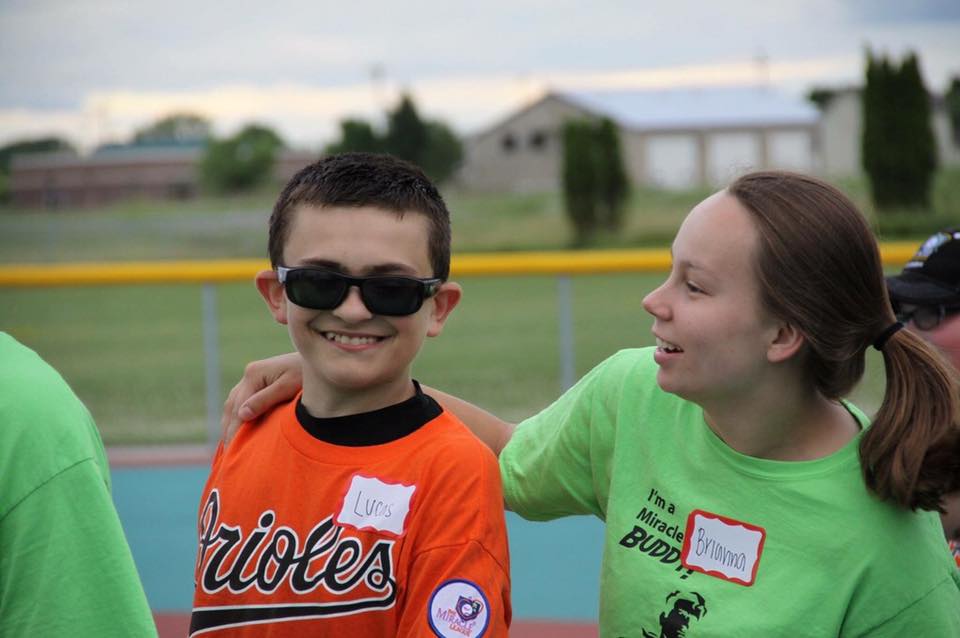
{"x": 177, "y": 128}
{"x": 430, "y": 144}
{"x": 242, "y": 162}
{"x": 443, "y": 153}
{"x": 580, "y": 184}
{"x": 39, "y": 145}
{"x": 22, "y": 147}
{"x": 820, "y": 96}
{"x": 899, "y": 149}
{"x": 613, "y": 185}
{"x": 407, "y": 135}
{"x": 356, "y": 136}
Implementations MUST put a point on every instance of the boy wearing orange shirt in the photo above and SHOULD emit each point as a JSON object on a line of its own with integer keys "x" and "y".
{"x": 360, "y": 508}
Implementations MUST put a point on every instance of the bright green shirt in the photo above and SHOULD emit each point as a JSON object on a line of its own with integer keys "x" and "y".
{"x": 65, "y": 567}
{"x": 704, "y": 539}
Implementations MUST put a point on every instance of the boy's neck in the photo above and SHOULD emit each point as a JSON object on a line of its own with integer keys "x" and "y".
{"x": 323, "y": 401}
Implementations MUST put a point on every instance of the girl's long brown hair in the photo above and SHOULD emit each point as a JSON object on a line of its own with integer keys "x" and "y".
{"x": 819, "y": 269}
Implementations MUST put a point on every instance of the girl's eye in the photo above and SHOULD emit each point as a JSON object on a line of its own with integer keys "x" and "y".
{"x": 692, "y": 287}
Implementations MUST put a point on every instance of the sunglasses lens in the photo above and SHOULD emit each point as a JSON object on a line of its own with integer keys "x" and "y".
{"x": 315, "y": 289}
{"x": 394, "y": 296}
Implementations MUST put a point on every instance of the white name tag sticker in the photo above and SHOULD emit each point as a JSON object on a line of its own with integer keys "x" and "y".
{"x": 373, "y": 504}
{"x": 722, "y": 547}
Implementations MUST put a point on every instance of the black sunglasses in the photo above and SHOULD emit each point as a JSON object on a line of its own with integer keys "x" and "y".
{"x": 924, "y": 317}
{"x": 321, "y": 289}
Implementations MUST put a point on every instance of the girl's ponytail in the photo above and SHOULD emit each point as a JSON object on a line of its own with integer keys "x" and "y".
{"x": 911, "y": 453}
{"x": 819, "y": 269}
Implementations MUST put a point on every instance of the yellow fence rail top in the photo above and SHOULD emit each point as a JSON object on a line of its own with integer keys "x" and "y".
{"x": 581, "y": 262}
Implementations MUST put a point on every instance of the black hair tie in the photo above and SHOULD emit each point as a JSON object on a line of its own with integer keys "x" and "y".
{"x": 886, "y": 334}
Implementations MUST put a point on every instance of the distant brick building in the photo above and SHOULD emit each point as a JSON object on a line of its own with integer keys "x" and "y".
{"x": 65, "y": 180}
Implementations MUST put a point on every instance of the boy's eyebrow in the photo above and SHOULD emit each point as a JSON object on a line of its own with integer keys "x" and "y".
{"x": 388, "y": 268}
{"x": 391, "y": 269}
{"x": 321, "y": 263}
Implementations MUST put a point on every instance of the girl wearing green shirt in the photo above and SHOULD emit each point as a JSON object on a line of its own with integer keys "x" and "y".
{"x": 741, "y": 494}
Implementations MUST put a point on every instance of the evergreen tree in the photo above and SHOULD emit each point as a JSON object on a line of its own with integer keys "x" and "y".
{"x": 921, "y": 145}
{"x": 899, "y": 149}
{"x": 430, "y": 144}
{"x": 407, "y": 136}
{"x": 443, "y": 153}
{"x": 613, "y": 185}
{"x": 595, "y": 182}
{"x": 952, "y": 99}
{"x": 580, "y": 183}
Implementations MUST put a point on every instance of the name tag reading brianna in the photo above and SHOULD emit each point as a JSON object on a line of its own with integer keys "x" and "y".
{"x": 722, "y": 547}
{"x": 373, "y": 504}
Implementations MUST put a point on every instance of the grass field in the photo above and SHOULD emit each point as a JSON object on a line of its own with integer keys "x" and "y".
{"x": 135, "y": 355}
{"x": 213, "y": 228}
{"x": 237, "y": 228}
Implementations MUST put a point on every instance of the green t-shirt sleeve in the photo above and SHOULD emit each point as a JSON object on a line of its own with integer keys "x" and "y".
{"x": 65, "y": 566}
{"x": 556, "y": 464}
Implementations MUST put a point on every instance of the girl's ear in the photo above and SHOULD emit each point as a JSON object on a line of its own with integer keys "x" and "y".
{"x": 785, "y": 344}
{"x": 272, "y": 292}
{"x": 443, "y": 304}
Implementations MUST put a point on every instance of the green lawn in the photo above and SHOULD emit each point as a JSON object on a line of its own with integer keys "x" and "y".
{"x": 135, "y": 355}
{"x": 236, "y": 227}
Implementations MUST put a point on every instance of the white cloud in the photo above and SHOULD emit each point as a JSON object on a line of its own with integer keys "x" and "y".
{"x": 22, "y": 124}
{"x": 308, "y": 116}
{"x": 106, "y": 67}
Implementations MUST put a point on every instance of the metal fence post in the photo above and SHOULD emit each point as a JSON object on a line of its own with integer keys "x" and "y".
{"x": 211, "y": 357}
{"x": 565, "y": 319}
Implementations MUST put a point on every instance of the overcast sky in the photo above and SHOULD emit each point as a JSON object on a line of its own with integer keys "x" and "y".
{"x": 94, "y": 70}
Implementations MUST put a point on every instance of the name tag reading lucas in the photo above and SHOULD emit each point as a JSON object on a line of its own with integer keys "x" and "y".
{"x": 373, "y": 504}
{"x": 722, "y": 547}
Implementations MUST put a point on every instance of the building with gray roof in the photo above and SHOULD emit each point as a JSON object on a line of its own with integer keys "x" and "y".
{"x": 671, "y": 138}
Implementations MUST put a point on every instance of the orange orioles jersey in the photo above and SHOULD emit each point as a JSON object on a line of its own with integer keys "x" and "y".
{"x": 388, "y": 523}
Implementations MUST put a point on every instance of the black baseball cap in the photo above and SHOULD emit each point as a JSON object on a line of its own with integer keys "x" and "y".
{"x": 932, "y": 276}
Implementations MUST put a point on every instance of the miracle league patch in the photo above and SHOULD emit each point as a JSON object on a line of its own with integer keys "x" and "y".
{"x": 458, "y": 609}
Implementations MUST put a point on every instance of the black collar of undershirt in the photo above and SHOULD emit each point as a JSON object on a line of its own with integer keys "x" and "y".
{"x": 372, "y": 428}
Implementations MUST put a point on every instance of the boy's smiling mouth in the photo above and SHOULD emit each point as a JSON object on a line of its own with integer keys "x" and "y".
{"x": 350, "y": 340}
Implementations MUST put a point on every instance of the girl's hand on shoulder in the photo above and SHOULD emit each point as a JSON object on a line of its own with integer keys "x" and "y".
{"x": 265, "y": 383}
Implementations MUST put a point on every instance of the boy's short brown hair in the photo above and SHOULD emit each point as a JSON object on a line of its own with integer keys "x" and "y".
{"x": 364, "y": 179}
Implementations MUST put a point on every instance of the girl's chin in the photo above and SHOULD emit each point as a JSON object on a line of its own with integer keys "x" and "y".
{"x": 667, "y": 382}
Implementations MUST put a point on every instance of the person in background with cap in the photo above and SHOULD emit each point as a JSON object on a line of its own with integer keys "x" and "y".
{"x": 926, "y": 298}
